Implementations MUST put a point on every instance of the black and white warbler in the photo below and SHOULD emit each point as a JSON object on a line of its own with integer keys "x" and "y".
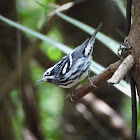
{"x": 73, "y": 68}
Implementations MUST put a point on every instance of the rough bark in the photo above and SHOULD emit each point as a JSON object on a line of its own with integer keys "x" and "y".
{"x": 134, "y": 39}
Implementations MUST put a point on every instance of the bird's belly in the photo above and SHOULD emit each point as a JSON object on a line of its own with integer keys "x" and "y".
{"x": 76, "y": 81}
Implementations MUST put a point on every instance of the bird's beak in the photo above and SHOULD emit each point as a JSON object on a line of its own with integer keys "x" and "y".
{"x": 40, "y": 80}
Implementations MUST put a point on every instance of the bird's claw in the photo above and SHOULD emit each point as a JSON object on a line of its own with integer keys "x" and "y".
{"x": 71, "y": 95}
{"x": 91, "y": 83}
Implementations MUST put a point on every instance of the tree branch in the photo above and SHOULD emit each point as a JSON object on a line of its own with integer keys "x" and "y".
{"x": 122, "y": 70}
{"x": 97, "y": 80}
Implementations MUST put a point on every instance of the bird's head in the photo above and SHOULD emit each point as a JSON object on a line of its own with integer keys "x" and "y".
{"x": 48, "y": 75}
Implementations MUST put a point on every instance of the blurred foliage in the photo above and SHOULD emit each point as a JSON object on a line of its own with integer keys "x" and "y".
{"x": 17, "y": 114}
{"x": 52, "y": 52}
{"x": 50, "y": 103}
{"x": 30, "y": 12}
{"x": 51, "y": 98}
{"x": 127, "y": 114}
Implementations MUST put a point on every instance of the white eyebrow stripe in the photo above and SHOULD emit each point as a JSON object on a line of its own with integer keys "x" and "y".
{"x": 65, "y": 68}
{"x": 70, "y": 57}
{"x": 48, "y": 70}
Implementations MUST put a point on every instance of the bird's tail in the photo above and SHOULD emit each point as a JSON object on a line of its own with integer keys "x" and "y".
{"x": 94, "y": 34}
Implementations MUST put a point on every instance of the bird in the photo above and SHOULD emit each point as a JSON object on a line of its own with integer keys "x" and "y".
{"x": 74, "y": 67}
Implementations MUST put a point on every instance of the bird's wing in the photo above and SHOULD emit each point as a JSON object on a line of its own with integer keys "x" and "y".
{"x": 92, "y": 39}
{"x": 68, "y": 61}
{"x": 75, "y": 55}
{"x": 80, "y": 49}
{"x": 72, "y": 58}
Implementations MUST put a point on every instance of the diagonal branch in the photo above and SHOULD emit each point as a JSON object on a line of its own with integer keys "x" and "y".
{"x": 64, "y": 7}
{"x": 97, "y": 80}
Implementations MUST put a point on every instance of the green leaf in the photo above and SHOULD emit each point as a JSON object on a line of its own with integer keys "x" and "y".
{"x": 107, "y": 41}
{"x": 60, "y": 46}
{"x": 110, "y": 43}
{"x": 120, "y": 5}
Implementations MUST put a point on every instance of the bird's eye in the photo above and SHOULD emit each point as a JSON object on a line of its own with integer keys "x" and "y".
{"x": 48, "y": 73}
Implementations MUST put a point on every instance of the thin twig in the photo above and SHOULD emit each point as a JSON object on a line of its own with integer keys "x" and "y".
{"x": 64, "y": 6}
{"x": 122, "y": 70}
